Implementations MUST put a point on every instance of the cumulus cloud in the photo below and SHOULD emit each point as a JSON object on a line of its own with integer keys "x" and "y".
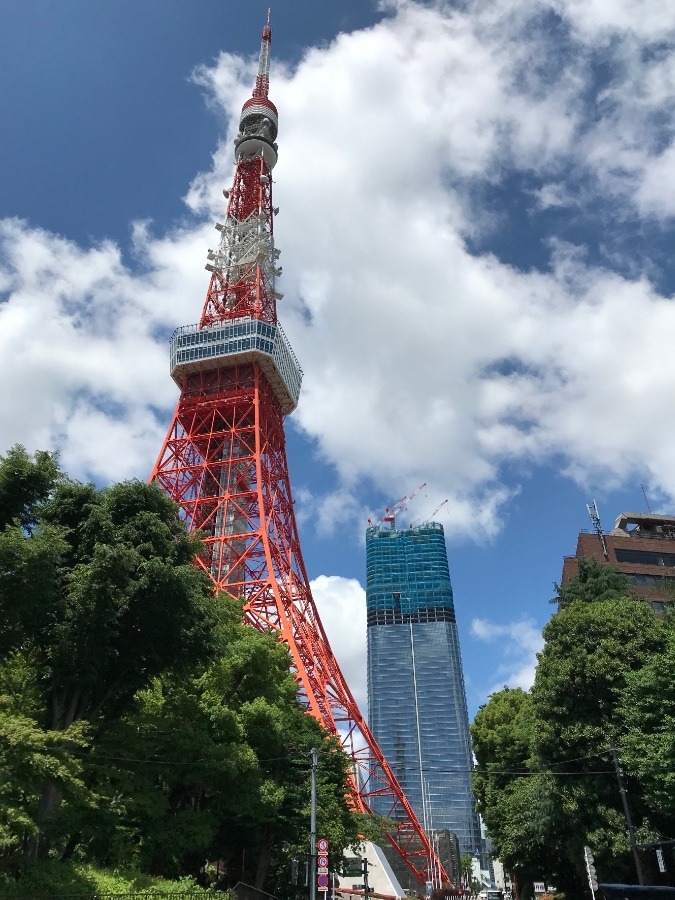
{"x": 427, "y": 356}
{"x": 597, "y": 19}
{"x": 341, "y": 603}
{"x": 518, "y": 644}
{"x": 79, "y": 346}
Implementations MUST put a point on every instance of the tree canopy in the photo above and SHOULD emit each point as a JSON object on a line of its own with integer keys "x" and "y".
{"x": 594, "y": 582}
{"x": 546, "y": 784}
{"x": 141, "y": 723}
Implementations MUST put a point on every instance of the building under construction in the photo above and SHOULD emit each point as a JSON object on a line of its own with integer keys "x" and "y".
{"x": 416, "y": 696}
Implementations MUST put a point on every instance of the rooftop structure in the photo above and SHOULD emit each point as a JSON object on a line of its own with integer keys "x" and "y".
{"x": 641, "y": 545}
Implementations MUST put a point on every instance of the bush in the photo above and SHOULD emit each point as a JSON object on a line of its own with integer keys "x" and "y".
{"x": 53, "y": 878}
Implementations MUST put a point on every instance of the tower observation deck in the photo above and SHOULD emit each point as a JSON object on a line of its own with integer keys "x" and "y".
{"x": 224, "y": 461}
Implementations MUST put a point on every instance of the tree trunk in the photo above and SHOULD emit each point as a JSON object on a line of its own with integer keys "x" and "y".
{"x": 50, "y": 800}
{"x": 69, "y": 849}
{"x": 264, "y": 857}
{"x": 64, "y": 713}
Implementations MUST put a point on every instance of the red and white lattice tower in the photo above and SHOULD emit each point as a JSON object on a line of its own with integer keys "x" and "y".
{"x": 224, "y": 458}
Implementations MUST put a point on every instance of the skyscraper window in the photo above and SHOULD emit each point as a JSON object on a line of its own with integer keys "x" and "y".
{"x": 416, "y": 696}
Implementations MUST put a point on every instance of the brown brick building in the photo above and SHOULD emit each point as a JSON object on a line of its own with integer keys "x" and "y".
{"x": 642, "y": 546}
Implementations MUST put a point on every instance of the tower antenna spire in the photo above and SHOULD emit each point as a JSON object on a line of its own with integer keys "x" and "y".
{"x": 262, "y": 82}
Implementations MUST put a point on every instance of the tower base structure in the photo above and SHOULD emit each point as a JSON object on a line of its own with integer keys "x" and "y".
{"x": 224, "y": 461}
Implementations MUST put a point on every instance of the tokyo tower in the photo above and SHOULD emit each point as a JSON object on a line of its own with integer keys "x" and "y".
{"x": 224, "y": 461}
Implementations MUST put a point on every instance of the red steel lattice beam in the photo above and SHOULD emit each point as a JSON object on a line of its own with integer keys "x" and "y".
{"x": 224, "y": 462}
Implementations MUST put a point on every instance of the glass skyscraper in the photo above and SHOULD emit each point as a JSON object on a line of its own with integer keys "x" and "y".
{"x": 416, "y": 696}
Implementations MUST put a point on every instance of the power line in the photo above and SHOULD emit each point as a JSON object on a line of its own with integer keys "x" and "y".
{"x": 516, "y": 773}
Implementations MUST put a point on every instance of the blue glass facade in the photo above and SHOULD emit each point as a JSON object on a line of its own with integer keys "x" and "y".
{"x": 416, "y": 696}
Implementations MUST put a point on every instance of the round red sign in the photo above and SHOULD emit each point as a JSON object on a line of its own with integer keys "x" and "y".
{"x": 322, "y": 845}
{"x": 323, "y": 861}
{"x": 322, "y": 882}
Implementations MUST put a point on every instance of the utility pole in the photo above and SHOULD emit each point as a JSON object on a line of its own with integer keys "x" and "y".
{"x": 626, "y": 811}
{"x": 312, "y": 827}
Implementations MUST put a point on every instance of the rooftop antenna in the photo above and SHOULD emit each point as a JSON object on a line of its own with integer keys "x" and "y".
{"x": 595, "y": 519}
{"x": 644, "y": 494}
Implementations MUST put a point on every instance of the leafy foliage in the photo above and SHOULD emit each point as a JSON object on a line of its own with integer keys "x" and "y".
{"x": 52, "y": 878}
{"x": 24, "y": 483}
{"x": 590, "y": 651}
{"x": 546, "y": 784}
{"x": 511, "y": 797}
{"x": 593, "y": 584}
{"x": 29, "y": 756}
{"x": 217, "y": 766}
{"x": 647, "y": 746}
{"x": 142, "y": 724}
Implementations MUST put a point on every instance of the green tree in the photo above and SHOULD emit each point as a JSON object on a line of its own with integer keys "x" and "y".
{"x": 98, "y": 594}
{"x": 546, "y": 785}
{"x": 590, "y": 652}
{"x": 217, "y": 766}
{"x": 466, "y": 868}
{"x": 30, "y": 756}
{"x": 140, "y": 720}
{"x": 593, "y": 583}
{"x": 25, "y": 481}
{"x": 514, "y": 799}
{"x": 647, "y": 744}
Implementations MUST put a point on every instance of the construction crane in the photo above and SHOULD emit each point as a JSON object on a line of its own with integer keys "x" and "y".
{"x": 431, "y": 517}
{"x": 391, "y": 512}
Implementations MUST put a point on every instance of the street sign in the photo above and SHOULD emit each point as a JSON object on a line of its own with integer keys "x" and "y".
{"x": 322, "y": 882}
{"x": 322, "y": 870}
{"x": 322, "y": 861}
{"x": 352, "y": 866}
{"x": 322, "y": 845}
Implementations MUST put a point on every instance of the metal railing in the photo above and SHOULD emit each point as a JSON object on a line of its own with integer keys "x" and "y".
{"x": 95, "y": 895}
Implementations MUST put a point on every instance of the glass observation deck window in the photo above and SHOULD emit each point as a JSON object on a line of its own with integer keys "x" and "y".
{"x": 194, "y": 349}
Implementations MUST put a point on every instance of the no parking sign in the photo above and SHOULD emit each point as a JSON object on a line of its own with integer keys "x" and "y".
{"x": 322, "y": 864}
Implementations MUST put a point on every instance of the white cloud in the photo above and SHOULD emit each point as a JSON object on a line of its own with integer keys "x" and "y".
{"x": 518, "y": 644}
{"x": 341, "y": 603}
{"x": 79, "y": 347}
{"x": 647, "y": 20}
{"x": 424, "y": 360}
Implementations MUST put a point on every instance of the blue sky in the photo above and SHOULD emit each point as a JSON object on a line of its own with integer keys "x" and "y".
{"x": 476, "y": 228}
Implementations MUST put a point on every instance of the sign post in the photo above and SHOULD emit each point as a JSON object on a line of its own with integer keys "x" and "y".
{"x": 322, "y": 867}
{"x": 312, "y": 827}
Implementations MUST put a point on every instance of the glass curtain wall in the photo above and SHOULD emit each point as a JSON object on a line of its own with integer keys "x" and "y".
{"x": 416, "y": 696}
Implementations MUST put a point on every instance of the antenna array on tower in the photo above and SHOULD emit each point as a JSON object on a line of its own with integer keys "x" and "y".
{"x": 595, "y": 519}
